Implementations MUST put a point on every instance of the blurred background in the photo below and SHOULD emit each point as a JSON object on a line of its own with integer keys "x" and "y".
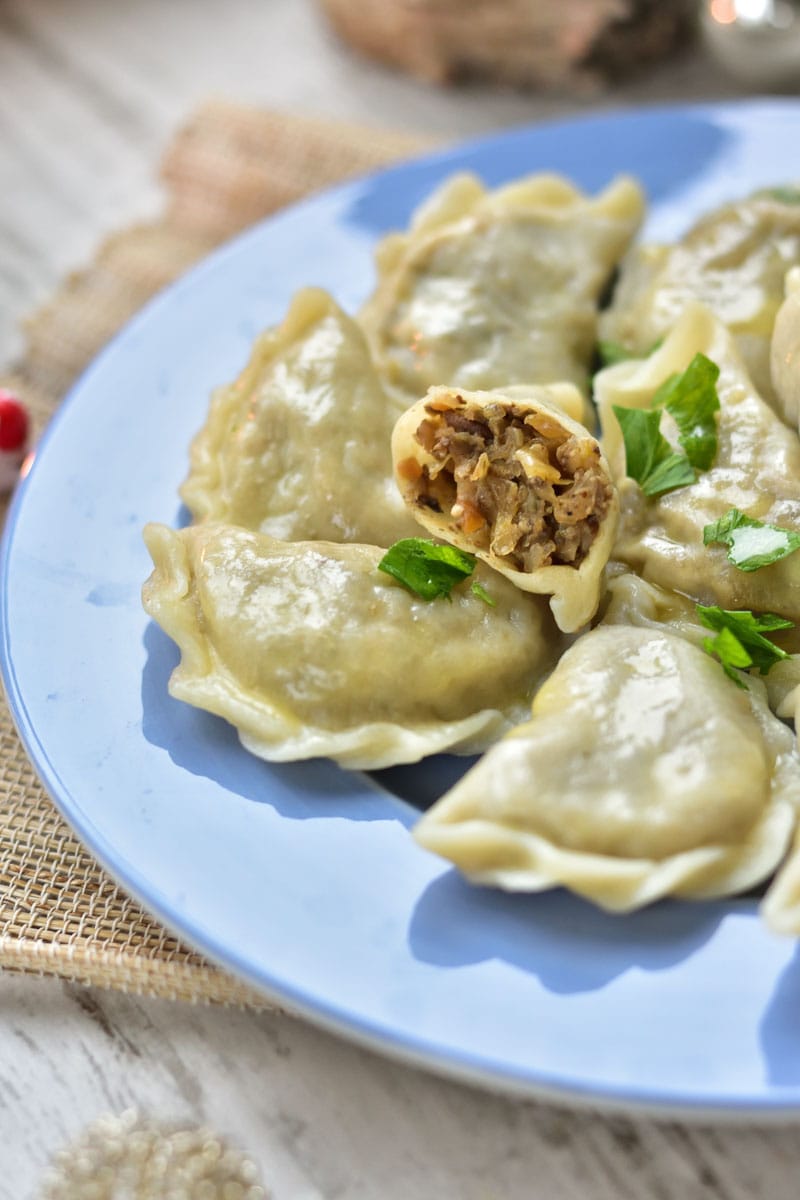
{"x": 93, "y": 90}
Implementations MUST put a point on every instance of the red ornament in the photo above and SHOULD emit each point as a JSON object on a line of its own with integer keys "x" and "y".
{"x": 14, "y": 427}
{"x": 13, "y": 422}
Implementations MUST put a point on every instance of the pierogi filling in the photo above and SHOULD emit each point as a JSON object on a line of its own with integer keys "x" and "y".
{"x": 516, "y": 482}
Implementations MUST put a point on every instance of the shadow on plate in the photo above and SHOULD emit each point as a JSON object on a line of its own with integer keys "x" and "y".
{"x": 779, "y": 1032}
{"x": 207, "y": 746}
{"x": 570, "y": 945}
{"x": 567, "y": 943}
{"x": 421, "y": 784}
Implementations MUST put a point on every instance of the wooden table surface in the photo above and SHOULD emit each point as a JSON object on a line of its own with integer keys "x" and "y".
{"x": 90, "y": 91}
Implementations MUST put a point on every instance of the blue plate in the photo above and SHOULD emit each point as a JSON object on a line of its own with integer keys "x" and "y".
{"x": 303, "y": 879}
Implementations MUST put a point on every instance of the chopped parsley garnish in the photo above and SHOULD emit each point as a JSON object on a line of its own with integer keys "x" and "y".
{"x": 480, "y": 591}
{"x": 740, "y": 640}
{"x": 751, "y": 544}
{"x": 611, "y": 353}
{"x": 691, "y": 400}
{"x": 426, "y": 568}
{"x": 649, "y": 458}
{"x": 784, "y": 195}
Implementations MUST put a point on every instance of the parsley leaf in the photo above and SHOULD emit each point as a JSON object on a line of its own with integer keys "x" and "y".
{"x": 752, "y": 544}
{"x": 740, "y": 640}
{"x": 784, "y": 195}
{"x": 426, "y": 568}
{"x": 691, "y": 400}
{"x": 610, "y": 353}
{"x": 649, "y": 458}
{"x": 480, "y": 591}
{"x": 730, "y": 652}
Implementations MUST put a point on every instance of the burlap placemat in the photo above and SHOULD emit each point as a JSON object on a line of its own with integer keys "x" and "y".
{"x": 59, "y": 913}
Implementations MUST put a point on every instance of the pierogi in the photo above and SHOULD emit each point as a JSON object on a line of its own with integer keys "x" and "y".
{"x": 643, "y": 772}
{"x": 756, "y": 470}
{"x": 458, "y": 403}
{"x": 308, "y": 649}
{"x": 781, "y": 906}
{"x": 489, "y": 288}
{"x": 734, "y": 260}
{"x": 299, "y": 445}
{"x": 785, "y": 352}
{"x": 516, "y": 482}
{"x": 631, "y": 600}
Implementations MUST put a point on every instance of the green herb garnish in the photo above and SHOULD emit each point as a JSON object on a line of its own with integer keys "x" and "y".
{"x": 740, "y": 641}
{"x": 784, "y": 194}
{"x": 611, "y": 353}
{"x": 427, "y": 568}
{"x": 649, "y": 458}
{"x": 480, "y": 591}
{"x": 751, "y": 544}
{"x": 691, "y": 400}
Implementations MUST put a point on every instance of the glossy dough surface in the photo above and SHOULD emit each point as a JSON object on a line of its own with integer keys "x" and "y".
{"x": 785, "y": 352}
{"x": 734, "y": 260}
{"x": 309, "y": 650}
{"x": 518, "y": 483}
{"x": 756, "y": 469}
{"x": 490, "y": 288}
{"x": 299, "y": 445}
{"x": 643, "y": 772}
{"x": 781, "y": 906}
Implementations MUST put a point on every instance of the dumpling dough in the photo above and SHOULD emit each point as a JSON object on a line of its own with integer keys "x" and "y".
{"x": 490, "y": 288}
{"x": 516, "y": 482}
{"x": 756, "y": 469}
{"x": 785, "y": 352}
{"x": 781, "y": 906}
{"x": 309, "y": 650}
{"x": 299, "y": 445}
{"x": 631, "y": 600}
{"x": 643, "y": 772}
{"x": 734, "y": 260}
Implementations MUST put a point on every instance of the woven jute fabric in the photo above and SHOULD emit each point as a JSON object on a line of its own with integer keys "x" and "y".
{"x": 228, "y": 167}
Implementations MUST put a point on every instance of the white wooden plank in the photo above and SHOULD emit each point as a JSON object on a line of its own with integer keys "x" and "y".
{"x": 325, "y": 1119}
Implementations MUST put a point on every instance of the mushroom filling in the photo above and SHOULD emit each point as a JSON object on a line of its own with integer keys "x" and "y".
{"x": 515, "y": 482}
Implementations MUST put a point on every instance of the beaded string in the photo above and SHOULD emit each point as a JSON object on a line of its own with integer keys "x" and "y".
{"x": 130, "y": 1157}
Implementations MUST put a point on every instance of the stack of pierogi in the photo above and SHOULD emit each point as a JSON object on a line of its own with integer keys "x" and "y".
{"x": 592, "y": 527}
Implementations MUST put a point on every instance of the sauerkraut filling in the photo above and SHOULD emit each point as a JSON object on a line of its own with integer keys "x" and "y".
{"x": 515, "y": 481}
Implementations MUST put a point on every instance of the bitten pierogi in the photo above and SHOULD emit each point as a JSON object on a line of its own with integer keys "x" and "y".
{"x": 517, "y": 482}
{"x": 539, "y": 500}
